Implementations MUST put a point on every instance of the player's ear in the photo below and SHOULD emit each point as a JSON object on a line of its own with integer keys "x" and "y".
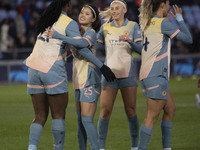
{"x": 125, "y": 10}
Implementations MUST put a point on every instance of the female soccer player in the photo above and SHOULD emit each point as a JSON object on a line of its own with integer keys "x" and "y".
{"x": 154, "y": 73}
{"x": 86, "y": 81}
{"x": 47, "y": 79}
{"x": 120, "y": 37}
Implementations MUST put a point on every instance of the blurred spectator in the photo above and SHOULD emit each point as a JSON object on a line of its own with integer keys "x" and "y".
{"x": 12, "y": 34}
{"x": 4, "y": 35}
{"x": 20, "y": 24}
{"x": 18, "y": 19}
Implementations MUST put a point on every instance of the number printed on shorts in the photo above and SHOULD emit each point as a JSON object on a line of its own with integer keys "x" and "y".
{"x": 88, "y": 92}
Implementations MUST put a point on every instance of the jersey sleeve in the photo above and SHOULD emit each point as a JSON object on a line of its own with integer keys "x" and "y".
{"x": 73, "y": 36}
{"x": 100, "y": 36}
{"x": 136, "y": 44}
{"x": 86, "y": 53}
{"x": 170, "y": 30}
{"x": 91, "y": 37}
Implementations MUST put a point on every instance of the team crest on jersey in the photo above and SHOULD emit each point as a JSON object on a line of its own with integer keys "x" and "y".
{"x": 164, "y": 93}
{"x": 126, "y": 33}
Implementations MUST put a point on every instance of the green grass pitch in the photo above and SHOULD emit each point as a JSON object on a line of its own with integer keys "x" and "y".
{"x": 16, "y": 114}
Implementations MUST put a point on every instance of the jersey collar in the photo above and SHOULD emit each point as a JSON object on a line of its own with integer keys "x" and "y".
{"x": 124, "y": 24}
{"x": 87, "y": 30}
{"x": 64, "y": 13}
{"x": 155, "y": 16}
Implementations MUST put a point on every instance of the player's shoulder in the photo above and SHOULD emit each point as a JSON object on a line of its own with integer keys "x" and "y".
{"x": 92, "y": 30}
{"x": 66, "y": 20}
{"x": 132, "y": 22}
{"x": 159, "y": 20}
{"x": 108, "y": 24}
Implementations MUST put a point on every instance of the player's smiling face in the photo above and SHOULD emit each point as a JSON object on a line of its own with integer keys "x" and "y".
{"x": 86, "y": 16}
{"x": 117, "y": 11}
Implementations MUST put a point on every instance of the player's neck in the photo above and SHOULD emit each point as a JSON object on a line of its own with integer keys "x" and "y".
{"x": 84, "y": 27}
{"x": 159, "y": 13}
{"x": 119, "y": 22}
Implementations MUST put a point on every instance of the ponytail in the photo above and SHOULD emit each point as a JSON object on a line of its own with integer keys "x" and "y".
{"x": 145, "y": 13}
{"x": 106, "y": 14}
{"x": 147, "y": 8}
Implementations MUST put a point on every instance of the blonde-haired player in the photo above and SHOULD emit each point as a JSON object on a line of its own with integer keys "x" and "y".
{"x": 120, "y": 37}
{"x": 157, "y": 33}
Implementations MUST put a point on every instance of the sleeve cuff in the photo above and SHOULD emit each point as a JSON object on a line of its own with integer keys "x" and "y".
{"x": 179, "y": 17}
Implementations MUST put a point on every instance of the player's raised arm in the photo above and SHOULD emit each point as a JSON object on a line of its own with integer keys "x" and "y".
{"x": 168, "y": 28}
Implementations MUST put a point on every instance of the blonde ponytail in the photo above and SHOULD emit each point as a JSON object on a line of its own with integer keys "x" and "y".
{"x": 106, "y": 14}
{"x": 145, "y": 13}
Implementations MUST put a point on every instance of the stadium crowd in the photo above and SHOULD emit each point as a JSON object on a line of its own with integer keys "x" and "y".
{"x": 18, "y": 19}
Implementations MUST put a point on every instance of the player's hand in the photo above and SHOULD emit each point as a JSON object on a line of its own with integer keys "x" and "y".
{"x": 177, "y": 10}
{"x": 49, "y": 33}
{"x": 124, "y": 38}
{"x": 107, "y": 73}
{"x": 198, "y": 83}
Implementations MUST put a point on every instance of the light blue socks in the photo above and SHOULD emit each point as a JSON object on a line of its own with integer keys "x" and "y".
{"x": 81, "y": 133}
{"x": 91, "y": 132}
{"x": 102, "y": 129}
{"x": 145, "y": 136}
{"x": 166, "y": 128}
{"x": 134, "y": 131}
{"x": 34, "y": 137}
{"x": 58, "y": 131}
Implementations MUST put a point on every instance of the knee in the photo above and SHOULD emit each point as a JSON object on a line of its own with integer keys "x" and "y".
{"x": 41, "y": 118}
{"x": 170, "y": 111}
{"x": 130, "y": 112}
{"x": 105, "y": 113}
{"x": 173, "y": 111}
{"x": 151, "y": 120}
{"x": 58, "y": 115}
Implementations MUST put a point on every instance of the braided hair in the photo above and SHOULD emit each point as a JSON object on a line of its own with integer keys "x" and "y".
{"x": 50, "y": 15}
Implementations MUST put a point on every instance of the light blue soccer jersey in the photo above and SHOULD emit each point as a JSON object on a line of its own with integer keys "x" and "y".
{"x": 47, "y": 71}
{"x": 74, "y": 38}
{"x": 84, "y": 73}
{"x": 157, "y": 46}
{"x": 118, "y": 53}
